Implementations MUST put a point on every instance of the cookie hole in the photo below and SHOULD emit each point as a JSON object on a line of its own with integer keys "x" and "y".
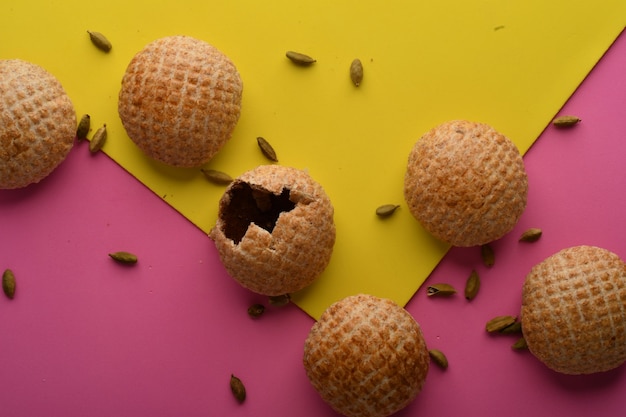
{"x": 253, "y": 205}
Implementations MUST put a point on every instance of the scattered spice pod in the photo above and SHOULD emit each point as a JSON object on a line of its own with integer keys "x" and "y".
{"x": 83, "y": 127}
{"x": 237, "y": 388}
{"x": 299, "y": 58}
{"x": 487, "y": 255}
{"x": 440, "y": 290}
{"x": 386, "y": 210}
{"x": 438, "y": 358}
{"x": 520, "y": 344}
{"x": 98, "y": 139}
{"x": 279, "y": 300}
{"x": 8, "y": 283}
{"x": 267, "y": 149}
{"x": 566, "y": 121}
{"x": 531, "y": 235}
{"x": 512, "y": 329}
{"x": 100, "y": 41}
{"x": 217, "y": 177}
{"x": 498, "y": 323}
{"x": 356, "y": 72}
{"x": 256, "y": 310}
{"x": 472, "y": 285}
{"x": 124, "y": 257}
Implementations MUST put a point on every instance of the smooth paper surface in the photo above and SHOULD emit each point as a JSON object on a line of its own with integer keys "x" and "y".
{"x": 511, "y": 65}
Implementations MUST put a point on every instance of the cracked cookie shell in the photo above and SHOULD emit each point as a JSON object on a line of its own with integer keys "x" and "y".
{"x": 275, "y": 230}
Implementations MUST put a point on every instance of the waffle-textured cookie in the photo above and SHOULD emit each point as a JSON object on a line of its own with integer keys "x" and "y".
{"x": 466, "y": 183}
{"x": 180, "y": 100}
{"x": 574, "y": 310}
{"x": 275, "y": 230}
{"x": 37, "y": 123}
{"x": 366, "y": 357}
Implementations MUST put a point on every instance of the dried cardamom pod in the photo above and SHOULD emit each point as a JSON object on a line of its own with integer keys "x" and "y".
{"x": 267, "y": 149}
{"x": 488, "y": 255}
{"x": 256, "y": 310}
{"x": 520, "y": 344}
{"x": 531, "y": 235}
{"x": 472, "y": 285}
{"x": 512, "y": 329}
{"x": 238, "y": 389}
{"x": 386, "y": 210}
{"x": 217, "y": 177}
{"x": 98, "y": 139}
{"x": 498, "y": 323}
{"x": 279, "y": 300}
{"x": 438, "y": 358}
{"x": 8, "y": 283}
{"x": 124, "y": 257}
{"x": 566, "y": 121}
{"x": 83, "y": 127}
{"x": 356, "y": 72}
{"x": 443, "y": 290}
{"x": 100, "y": 41}
{"x": 300, "y": 59}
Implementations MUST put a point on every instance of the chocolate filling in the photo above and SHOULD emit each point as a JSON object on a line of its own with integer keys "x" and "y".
{"x": 253, "y": 205}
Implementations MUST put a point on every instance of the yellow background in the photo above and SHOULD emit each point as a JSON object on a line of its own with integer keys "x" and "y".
{"x": 509, "y": 64}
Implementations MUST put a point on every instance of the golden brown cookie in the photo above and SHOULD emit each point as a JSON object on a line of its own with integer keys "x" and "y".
{"x": 466, "y": 183}
{"x": 275, "y": 231}
{"x": 180, "y": 100}
{"x": 366, "y": 357}
{"x": 574, "y": 310}
{"x": 37, "y": 123}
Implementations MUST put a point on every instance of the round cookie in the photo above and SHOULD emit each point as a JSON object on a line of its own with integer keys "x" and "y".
{"x": 366, "y": 357}
{"x": 275, "y": 230}
{"x": 37, "y": 123}
{"x": 466, "y": 183}
{"x": 574, "y": 310}
{"x": 180, "y": 100}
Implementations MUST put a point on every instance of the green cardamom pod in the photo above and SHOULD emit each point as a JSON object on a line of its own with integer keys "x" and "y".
{"x": 8, "y": 283}
{"x": 440, "y": 290}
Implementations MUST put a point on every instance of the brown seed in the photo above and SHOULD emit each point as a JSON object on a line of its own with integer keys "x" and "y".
{"x": 498, "y": 323}
{"x": 98, "y": 139}
{"x": 520, "y": 344}
{"x": 356, "y": 72}
{"x": 488, "y": 255}
{"x": 8, "y": 283}
{"x": 440, "y": 290}
{"x": 531, "y": 235}
{"x": 100, "y": 41}
{"x": 279, "y": 300}
{"x": 300, "y": 59}
{"x": 512, "y": 329}
{"x": 386, "y": 210}
{"x": 566, "y": 121}
{"x": 267, "y": 149}
{"x": 238, "y": 389}
{"x": 472, "y": 285}
{"x": 217, "y": 177}
{"x": 256, "y": 310}
{"x": 83, "y": 127}
{"x": 124, "y": 257}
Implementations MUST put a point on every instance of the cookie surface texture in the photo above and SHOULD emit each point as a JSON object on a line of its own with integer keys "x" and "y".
{"x": 366, "y": 357}
{"x": 466, "y": 183}
{"x": 180, "y": 100}
{"x": 275, "y": 230}
{"x": 574, "y": 310}
{"x": 37, "y": 123}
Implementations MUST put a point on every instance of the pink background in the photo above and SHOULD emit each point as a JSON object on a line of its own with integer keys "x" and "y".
{"x": 87, "y": 337}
